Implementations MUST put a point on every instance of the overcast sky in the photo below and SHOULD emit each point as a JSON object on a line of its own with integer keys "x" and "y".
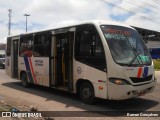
{"x": 47, "y": 14}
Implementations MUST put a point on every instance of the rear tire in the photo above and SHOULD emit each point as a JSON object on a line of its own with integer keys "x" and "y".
{"x": 87, "y": 93}
{"x": 24, "y": 79}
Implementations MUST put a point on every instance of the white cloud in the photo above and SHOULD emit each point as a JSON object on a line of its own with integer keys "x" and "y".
{"x": 58, "y": 10}
{"x": 139, "y": 21}
{"x": 47, "y": 14}
{"x": 3, "y": 32}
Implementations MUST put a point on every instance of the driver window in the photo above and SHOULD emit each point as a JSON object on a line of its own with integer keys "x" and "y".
{"x": 88, "y": 47}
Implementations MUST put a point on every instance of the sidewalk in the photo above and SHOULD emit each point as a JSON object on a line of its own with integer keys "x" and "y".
{"x": 157, "y": 74}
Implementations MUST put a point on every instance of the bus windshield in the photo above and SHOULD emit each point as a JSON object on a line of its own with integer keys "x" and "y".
{"x": 126, "y": 46}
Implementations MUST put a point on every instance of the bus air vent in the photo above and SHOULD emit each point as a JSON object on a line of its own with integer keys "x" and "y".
{"x": 137, "y": 80}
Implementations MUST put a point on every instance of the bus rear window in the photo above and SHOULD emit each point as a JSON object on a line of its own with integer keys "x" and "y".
{"x": 8, "y": 52}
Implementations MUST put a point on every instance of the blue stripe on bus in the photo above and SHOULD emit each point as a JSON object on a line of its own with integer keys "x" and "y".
{"x": 28, "y": 69}
{"x": 145, "y": 73}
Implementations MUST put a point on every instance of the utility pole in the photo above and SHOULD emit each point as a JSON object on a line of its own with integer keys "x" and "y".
{"x": 9, "y": 22}
{"x": 26, "y": 20}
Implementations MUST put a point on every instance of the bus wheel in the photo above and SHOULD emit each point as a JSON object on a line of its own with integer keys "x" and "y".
{"x": 24, "y": 79}
{"x": 87, "y": 93}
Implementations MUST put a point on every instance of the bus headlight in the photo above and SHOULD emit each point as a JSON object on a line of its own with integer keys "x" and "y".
{"x": 119, "y": 81}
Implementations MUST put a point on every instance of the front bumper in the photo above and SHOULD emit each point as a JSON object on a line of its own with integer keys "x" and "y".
{"x": 121, "y": 92}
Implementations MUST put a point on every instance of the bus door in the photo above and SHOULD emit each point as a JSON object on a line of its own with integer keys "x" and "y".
{"x": 69, "y": 68}
{"x": 61, "y": 42}
{"x": 8, "y": 58}
{"x": 53, "y": 62}
{"x": 63, "y": 49}
{"x": 15, "y": 58}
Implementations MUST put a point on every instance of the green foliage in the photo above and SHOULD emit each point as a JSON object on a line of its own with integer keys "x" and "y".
{"x": 156, "y": 64}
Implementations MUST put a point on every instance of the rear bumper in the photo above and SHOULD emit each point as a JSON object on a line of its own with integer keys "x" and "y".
{"x": 121, "y": 92}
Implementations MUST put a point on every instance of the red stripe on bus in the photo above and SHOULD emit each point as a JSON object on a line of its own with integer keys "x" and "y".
{"x": 32, "y": 70}
{"x": 139, "y": 72}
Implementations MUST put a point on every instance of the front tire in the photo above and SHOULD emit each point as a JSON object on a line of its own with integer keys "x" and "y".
{"x": 24, "y": 79}
{"x": 87, "y": 93}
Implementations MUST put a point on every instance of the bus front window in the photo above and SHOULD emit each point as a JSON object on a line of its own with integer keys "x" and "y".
{"x": 126, "y": 46}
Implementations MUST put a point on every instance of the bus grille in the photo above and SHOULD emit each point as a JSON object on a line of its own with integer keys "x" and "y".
{"x": 137, "y": 80}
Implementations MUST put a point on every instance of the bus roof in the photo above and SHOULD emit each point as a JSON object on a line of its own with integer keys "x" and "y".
{"x": 95, "y": 22}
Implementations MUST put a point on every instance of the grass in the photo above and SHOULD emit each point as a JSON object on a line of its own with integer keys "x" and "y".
{"x": 156, "y": 64}
{"x": 5, "y": 107}
{"x": 1, "y": 110}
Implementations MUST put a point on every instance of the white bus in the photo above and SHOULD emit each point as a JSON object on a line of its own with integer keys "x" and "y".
{"x": 94, "y": 59}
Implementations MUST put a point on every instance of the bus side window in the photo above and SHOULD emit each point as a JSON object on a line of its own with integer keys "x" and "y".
{"x": 88, "y": 47}
{"x": 8, "y": 52}
{"x": 84, "y": 49}
{"x": 41, "y": 45}
{"x": 96, "y": 46}
{"x": 26, "y": 45}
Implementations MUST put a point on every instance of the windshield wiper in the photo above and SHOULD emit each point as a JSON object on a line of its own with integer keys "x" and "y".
{"x": 134, "y": 51}
{"x": 136, "y": 55}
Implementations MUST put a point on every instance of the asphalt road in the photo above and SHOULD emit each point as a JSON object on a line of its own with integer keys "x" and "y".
{"x": 46, "y": 99}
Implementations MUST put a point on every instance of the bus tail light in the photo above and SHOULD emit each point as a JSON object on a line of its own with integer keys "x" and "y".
{"x": 119, "y": 81}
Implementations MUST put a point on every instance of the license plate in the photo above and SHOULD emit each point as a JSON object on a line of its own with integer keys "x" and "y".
{"x": 142, "y": 92}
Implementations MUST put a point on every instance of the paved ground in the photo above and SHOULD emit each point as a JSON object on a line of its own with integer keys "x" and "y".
{"x": 45, "y": 99}
{"x": 157, "y": 73}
